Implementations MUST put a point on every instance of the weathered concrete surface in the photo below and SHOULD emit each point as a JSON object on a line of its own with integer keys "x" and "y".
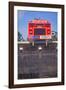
{"x": 33, "y": 63}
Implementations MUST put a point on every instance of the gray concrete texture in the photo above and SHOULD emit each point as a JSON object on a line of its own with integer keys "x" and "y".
{"x": 34, "y": 63}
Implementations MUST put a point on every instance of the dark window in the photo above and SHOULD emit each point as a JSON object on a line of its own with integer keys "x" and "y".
{"x": 30, "y": 33}
{"x": 40, "y": 24}
{"x": 47, "y": 25}
{"x": 31, "y": 24}
{"x": 39, "y": 31}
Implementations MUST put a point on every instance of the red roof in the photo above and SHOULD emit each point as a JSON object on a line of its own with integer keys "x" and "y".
{"x": 39, "y": 21}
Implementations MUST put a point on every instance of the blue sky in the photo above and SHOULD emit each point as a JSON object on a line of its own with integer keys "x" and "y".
{"x": 24, "y": 17}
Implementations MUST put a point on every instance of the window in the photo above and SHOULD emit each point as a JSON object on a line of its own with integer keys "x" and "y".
{"x": 39, "y": 31}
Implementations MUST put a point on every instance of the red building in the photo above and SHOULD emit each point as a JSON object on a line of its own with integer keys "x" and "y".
{"x": 39, "y": 30}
